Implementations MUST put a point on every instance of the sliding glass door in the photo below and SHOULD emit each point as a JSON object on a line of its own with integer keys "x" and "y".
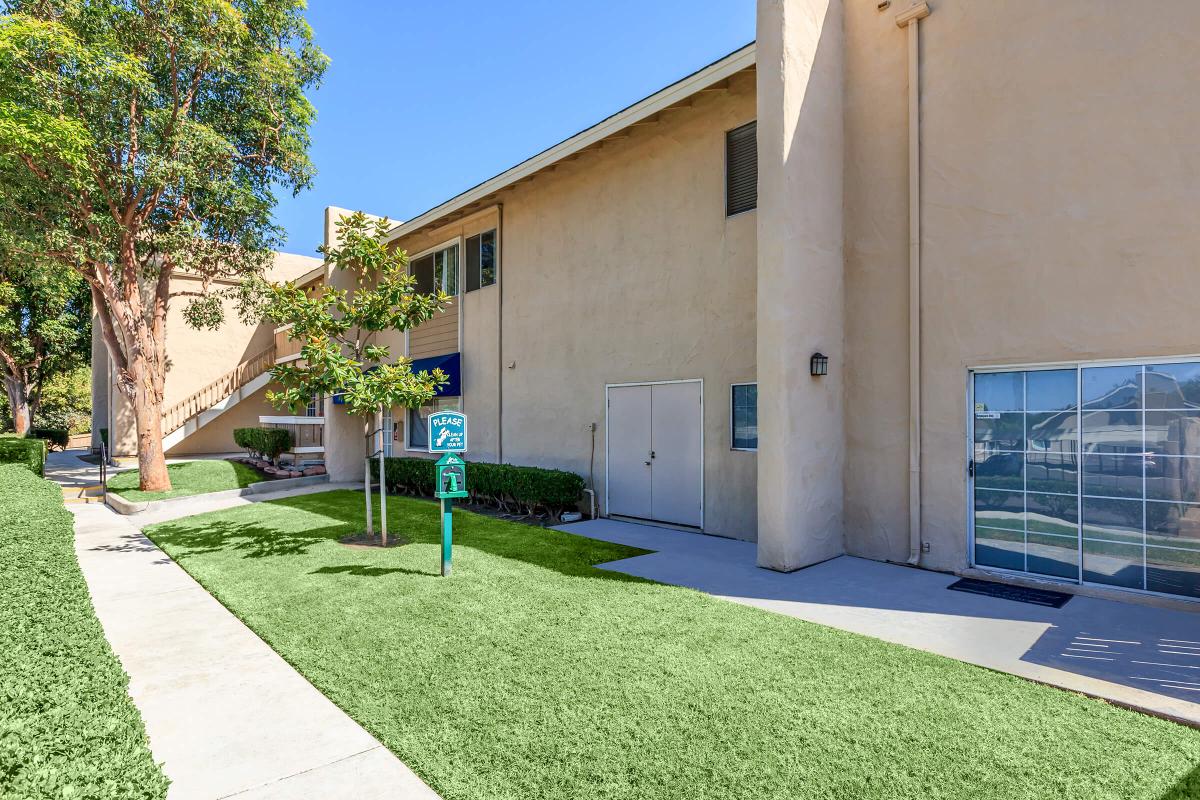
{"x": 1089, "y": 473}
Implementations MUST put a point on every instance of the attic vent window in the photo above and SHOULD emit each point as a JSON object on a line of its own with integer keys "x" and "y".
{"x": 741, "y": 169}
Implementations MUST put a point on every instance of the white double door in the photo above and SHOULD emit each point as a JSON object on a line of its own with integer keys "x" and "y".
{"x": 655, "y": 452}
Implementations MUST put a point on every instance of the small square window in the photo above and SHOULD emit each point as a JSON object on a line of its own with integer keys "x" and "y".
{"x": 744, "y": 416}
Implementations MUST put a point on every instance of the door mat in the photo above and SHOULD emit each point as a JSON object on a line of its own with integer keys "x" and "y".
{"x": 1021, "y": 594}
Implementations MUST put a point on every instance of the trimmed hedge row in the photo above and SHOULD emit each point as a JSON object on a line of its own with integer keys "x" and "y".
{"x": 54, "y": 437}
{"x": 30, "y": 453}
{"x": 505, "y": 486}
{"x": 266, "y": 442}
{"x": 67, "y": 725}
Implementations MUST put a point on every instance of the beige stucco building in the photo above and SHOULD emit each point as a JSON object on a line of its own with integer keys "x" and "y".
{"x": 981, "y": 215}
{"x": 216, "y": 380}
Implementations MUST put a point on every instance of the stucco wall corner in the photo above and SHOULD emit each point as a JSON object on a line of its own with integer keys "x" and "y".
{"x": 801, "y": 284}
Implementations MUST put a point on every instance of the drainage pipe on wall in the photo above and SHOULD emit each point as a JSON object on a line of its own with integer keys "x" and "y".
{"x": 500, "y": 337}
{"x": 909, "y": 19}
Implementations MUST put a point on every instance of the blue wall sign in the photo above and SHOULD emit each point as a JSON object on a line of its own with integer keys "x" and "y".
{"x": 447, "y": 432}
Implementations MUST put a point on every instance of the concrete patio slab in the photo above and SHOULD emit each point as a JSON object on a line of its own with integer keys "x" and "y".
{"x": 224, "y": 713}
{"x": 1135, "y": 655}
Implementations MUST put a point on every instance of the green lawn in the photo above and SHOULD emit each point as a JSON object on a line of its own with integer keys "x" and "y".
{"x": 530, "y": 674}
{"x": 67, "y": 726}
{"x": 188, "y": 478}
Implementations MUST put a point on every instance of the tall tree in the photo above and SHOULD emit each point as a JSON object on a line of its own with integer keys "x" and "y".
{"x": 339, "y": 330}
{"x": 143, "y": 138}
{"x": 45, "y": 331}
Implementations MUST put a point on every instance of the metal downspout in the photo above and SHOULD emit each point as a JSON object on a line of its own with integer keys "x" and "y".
{"x": 909, "y": 19}
{"x": 500, "y": 340}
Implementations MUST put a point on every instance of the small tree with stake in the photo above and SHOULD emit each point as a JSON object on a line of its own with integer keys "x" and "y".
{"x": 338, "y": 329}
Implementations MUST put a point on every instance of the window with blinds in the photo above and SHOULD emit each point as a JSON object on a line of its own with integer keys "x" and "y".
{"x": 741, "y": 169}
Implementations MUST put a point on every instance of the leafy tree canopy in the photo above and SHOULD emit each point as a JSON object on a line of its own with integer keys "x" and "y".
{"x": 339, "y": 328}
{"x": 144, "y": 138}
{"x": 45, "y": 331}
{"x": 161, "y": 127}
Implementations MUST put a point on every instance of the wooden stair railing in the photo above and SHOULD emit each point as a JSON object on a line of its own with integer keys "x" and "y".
{"x": 174, "y": 417}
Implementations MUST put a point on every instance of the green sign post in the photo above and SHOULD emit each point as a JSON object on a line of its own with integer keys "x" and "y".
{"x": 450, "y": 482}
{"x": 448, "y": 434}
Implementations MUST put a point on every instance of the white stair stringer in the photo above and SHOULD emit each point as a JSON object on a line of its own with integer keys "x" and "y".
{"x": 191, "y": 425}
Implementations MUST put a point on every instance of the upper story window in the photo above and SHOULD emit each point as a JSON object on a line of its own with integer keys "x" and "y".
{"x": 481, "y": 260}
{"x": 741, "y": 169}
{"x": 437, "y": 271}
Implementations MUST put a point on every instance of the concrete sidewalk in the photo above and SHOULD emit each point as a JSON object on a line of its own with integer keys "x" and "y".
{"x": 1135, "y": 655}
{"x": 225, "y": 714}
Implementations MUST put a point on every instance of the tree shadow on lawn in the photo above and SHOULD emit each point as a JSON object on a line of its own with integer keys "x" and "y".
{"x": 361, "y": 571}
{"x": 334, "y": 514}
{"x": 254, "y": 540}
{"x": 1188, "y": 787}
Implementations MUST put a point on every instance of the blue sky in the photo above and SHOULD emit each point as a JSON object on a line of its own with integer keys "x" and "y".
{"x": 424, "y": 99}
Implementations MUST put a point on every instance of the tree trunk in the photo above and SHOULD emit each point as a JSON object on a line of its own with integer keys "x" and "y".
{"x": 367, "y": 475}
{"x": 147, "y": 412}
{"x": 18, "y": 405}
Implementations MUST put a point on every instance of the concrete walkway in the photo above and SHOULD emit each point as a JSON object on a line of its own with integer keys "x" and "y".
{"x": 1131, "y": 654}
{"x": 225, "y": 714}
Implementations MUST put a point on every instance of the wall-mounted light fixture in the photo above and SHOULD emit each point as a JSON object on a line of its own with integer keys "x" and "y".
{"x": 818, "y": 365}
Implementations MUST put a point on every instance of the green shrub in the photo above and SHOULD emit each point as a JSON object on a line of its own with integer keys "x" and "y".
{"x": 67, "y": 725}
{"x": 30, "y": 453}
{"x": 505, "y": 486}
{"x": 266, "y": 442}
{"x": 54, "y": 437}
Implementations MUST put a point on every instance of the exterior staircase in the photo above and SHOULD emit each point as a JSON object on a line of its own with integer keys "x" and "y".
{"x": 202, "y": 407}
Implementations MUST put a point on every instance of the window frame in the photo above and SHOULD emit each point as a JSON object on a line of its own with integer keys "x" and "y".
{"x": 495, "y": 232}
{"x": 456, "y": 243}
{"x": 725, "y": 158}
{"x": 969, "y": 453}
{"x": 409, "y": 427}
{"x": 315, "y": 406}
{"x": 732, "y": 407}
{"x": 387, "y": 428}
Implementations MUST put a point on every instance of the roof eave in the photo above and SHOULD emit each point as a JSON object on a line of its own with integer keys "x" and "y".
{"x": 677, "y": 92}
